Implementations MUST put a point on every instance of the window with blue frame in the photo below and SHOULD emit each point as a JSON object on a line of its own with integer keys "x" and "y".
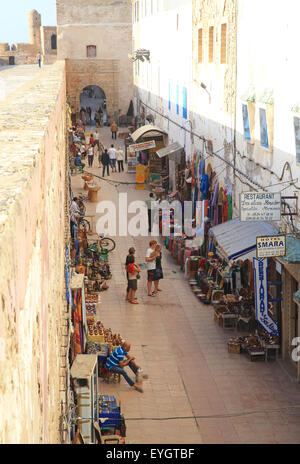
{"x": 177, "y": 99}
{"x": 264, "y": 140}
{"x": 184, "y": 106}
{"x": 247, "y": 133}
{"x": 297, "y": 138}
{"x": 169, "y": 106}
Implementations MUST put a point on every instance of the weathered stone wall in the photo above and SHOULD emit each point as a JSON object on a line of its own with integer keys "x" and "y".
{"x": 108, "y": 26}
{"x": 48, "y": 54}
{"x": 32, "y": 202}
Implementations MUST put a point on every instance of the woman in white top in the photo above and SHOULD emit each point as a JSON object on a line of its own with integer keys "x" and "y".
{"x": 120, "y": 159}
{"x": 90, "y": 155}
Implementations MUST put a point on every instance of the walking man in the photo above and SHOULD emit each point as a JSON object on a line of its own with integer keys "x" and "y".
{"x": 105, "y": 162}
{"x": 112, "y": 152}
{"x": 114, "y": 130}
{"x": 150, "y": 202}
{"x": 120, "y": 159}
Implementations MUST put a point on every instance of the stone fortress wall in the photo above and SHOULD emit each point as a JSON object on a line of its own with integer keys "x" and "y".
{"x": 32, "y": 258}
{"x": 39, "y": 42}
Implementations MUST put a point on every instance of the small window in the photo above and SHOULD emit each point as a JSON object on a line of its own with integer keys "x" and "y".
{"x": 200, "y": 45}
{"x": 247, "y": 134}
{"x": 264, "y": 139}
{"x": 53, "y": 42}
{"x": 211, "y": 45}
{"x": 91, "y": 51}
{"x": 297, "y": 138}
{"x": 223, "y": 43}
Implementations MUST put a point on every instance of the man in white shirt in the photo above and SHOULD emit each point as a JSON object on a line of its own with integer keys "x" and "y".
{"x": 120, "y": 159}
{"x": 112, "y": 152}
{"x": 74, "y": 210}
{"x": 151, "y": 265}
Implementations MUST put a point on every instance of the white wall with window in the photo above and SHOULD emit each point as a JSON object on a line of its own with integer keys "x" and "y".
{"x": 268, "y": 92}
{"x": 165, "y": 28}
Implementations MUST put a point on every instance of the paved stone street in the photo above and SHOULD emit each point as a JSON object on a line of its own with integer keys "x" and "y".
{"x": 184, "y": 352}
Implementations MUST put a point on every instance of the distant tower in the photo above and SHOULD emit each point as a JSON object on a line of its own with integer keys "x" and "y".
{"x": 34, "y": 28}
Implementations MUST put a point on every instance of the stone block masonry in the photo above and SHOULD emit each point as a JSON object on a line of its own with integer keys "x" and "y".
{"x": 32, "y": 286}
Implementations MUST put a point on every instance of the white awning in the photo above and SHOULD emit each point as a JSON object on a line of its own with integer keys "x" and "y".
{"x": 147, "y": 131}
{"x": 237, "y": 239}
{"x": 172, "y": 149}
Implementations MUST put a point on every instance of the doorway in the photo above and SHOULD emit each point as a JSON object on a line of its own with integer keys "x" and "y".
{"x": 11, "y": 60}
{"x": 92, "y": 100}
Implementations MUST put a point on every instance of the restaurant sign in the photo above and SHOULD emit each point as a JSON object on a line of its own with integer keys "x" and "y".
{"x": 270, "y": 246}
{"x": 260, "y": 267}
{"x": 142, "y": 146}
{"x": 260, "y": 206}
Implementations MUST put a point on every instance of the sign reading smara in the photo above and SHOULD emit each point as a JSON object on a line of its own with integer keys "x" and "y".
{"x": 270, "y": 246}
{"x": 260, "y": 267}
{"x": 260, "y": 206}
{"x": 142, "y": 146}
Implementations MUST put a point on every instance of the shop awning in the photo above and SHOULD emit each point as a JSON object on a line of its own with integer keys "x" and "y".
{"x": 147, "y": 131}
{"x": 172, "y": 149}
{"x": 237, "y": 240}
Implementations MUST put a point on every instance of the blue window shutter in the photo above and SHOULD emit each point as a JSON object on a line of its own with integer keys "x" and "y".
{"x": 247, "y": 134}
{"x": 177, "y": 99}
{"x": 184, "y": 106}
{"x": 169, "y": 95}
{"x": 264, "y": 140}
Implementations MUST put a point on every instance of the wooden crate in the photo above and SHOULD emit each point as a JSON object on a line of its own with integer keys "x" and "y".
{"x": 234, "y": 348}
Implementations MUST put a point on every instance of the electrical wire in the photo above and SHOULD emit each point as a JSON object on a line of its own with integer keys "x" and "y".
{"x": 213, "y": 416}
{"x": 210, "y": 416}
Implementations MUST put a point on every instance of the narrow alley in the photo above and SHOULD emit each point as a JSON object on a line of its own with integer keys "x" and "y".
{"x": 178, "y": 344}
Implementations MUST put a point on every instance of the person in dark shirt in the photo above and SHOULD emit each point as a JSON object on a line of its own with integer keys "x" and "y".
{"x": 105, "y": 160}
{"x": 77, "y": 161}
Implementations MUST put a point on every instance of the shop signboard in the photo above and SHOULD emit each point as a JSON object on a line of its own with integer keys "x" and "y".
{"x": 260, "y": 267}
{"x": 142, "y": 146}
{"x": 270, "y": 246}
{"x": 260, "y": 206}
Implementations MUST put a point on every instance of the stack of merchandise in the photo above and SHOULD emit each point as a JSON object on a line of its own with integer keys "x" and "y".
{"x": 99, "y": 335}
{"x": 249, "y": 344}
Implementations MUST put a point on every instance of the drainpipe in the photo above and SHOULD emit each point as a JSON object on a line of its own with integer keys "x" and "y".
{"x": 235, "y": 103}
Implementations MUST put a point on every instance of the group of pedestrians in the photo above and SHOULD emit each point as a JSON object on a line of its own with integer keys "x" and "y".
{"x": 107, "y": 158}
{"x": 154, "y": 271}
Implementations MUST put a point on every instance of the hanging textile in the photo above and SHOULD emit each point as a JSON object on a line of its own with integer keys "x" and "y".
{"x": 204, "y": 187}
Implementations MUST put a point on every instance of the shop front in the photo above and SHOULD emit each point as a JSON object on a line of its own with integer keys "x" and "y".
{"x": 289, "y": 267}
{"x": 148, "y": 156}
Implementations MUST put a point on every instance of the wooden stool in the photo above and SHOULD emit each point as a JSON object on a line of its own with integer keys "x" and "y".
{"x": 93, "y": 193}
{"x": 111, "y": 376}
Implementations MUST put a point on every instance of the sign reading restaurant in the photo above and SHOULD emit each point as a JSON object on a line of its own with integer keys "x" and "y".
{"x": 260, "y": 206}
{"x": 142, "y": 146}
{"x": 270, "y": 246}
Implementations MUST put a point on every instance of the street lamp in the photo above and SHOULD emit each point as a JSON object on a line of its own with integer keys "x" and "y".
{"x": 140, "y": 54}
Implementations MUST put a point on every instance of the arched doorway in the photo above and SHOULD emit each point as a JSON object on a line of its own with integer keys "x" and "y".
{"x": 93, "y": 99}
